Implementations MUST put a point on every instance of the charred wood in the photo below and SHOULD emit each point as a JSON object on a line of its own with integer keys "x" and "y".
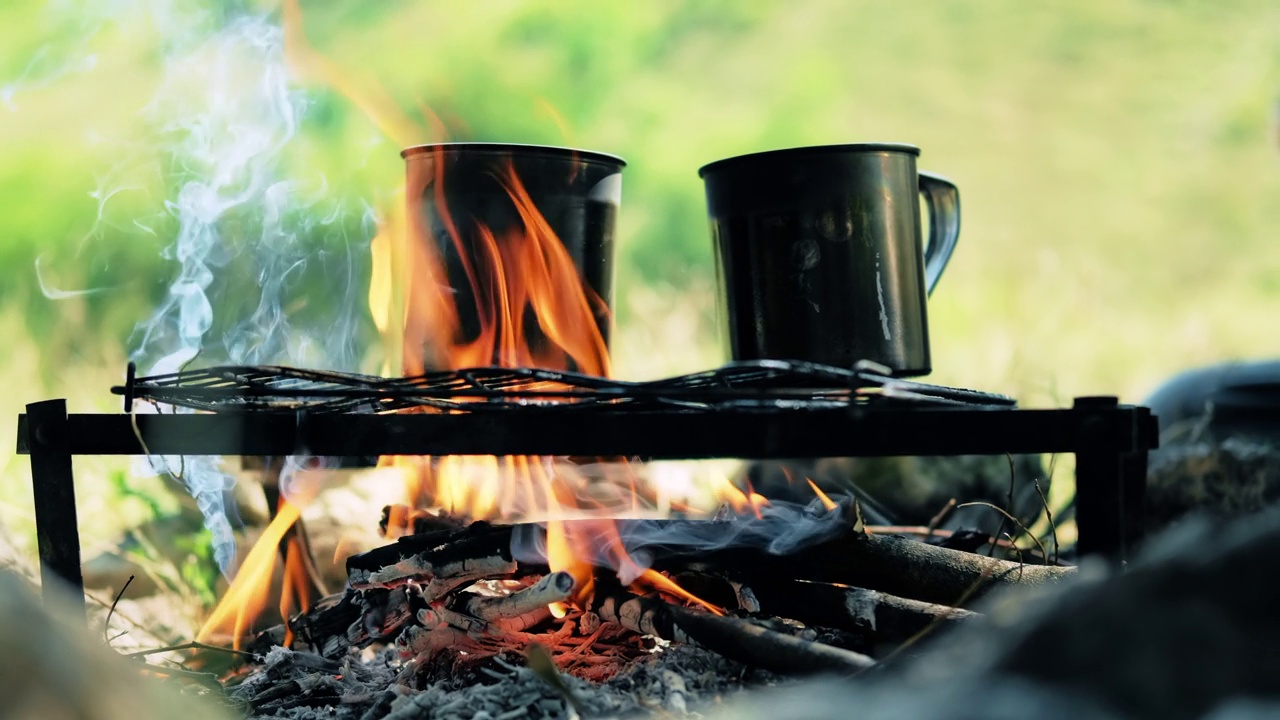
{"x": 734, "y": 638}
{"x": 401, "y": 520}
{"x": 480, "y": 548}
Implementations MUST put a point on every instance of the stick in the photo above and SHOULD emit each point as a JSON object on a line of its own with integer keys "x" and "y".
{"x": 874, "y": 617}
{"x": 556, "y": 587}
{"x": 106, "y": 624}
{"x": 474, "y": 536}
{"x": 731, "y": 637}
{"x": 418, "y": 556}
{"x": 890, "y": 564}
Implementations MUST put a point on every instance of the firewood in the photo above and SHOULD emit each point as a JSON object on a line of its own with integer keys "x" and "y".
{"x": 552, "y": 588}
{"x": 734, "y": 638}
{"x": 887, "y": 563}
{"x": 474, "y": 552}
{"x": 401, "y": 520}
{"x": 876, "y": 618}
{"x": 473, "y": 537}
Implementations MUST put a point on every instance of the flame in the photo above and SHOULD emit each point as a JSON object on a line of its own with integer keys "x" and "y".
{"x": 827, "y": 502}
{"x": 247, "y": 596}
{"x": 513, "y": 276}
{"x": 742, "y": 502}
{"x": 295, "y": 591}
{"x": 657, "y": 581}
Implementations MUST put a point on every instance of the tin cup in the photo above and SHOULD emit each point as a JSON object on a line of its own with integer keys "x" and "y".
{"x": 820, "y": 257}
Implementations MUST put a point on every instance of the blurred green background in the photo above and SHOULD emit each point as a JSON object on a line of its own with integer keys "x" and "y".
{"x": 1118, "y": 164}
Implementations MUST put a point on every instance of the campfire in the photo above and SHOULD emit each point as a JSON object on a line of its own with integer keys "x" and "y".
{"x": 580, "y": 566}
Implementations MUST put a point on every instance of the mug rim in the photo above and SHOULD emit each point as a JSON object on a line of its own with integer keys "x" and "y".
{"x": 497, "y": 148}
{"x": 810, "y": 150}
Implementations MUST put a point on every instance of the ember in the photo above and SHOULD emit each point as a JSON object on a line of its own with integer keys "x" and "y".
{"x": 456, "y": 602}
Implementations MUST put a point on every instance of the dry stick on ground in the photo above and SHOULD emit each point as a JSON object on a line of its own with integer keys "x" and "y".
{"x": 733, "y": 638}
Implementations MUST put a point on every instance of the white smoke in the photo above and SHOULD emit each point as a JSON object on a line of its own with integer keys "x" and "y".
{"x": 264, "y": 273}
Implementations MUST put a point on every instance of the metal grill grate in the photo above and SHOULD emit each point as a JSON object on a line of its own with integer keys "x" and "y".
{"x": 764, "y": 385}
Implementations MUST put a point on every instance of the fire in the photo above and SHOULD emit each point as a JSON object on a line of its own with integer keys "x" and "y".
{"x": 512, "y": 280}
{"x": 826, "y": 500}
{"x": 248, "y": 595}
{"x": 515, "y": 276}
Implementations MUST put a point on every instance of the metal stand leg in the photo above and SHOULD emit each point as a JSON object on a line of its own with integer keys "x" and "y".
{"x": 1099, "y": 509}
{"x": 1099, "y": 494}
{"x": 57, "y": 529}
{"x": 1133, "y": 487}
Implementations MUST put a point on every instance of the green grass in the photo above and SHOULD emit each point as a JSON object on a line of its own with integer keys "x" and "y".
{"x": 1117, "y": 159}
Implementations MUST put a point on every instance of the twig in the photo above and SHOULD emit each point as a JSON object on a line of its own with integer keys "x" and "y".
{"x": 937, "y": 519}
{"x": 1021, "y": 565}
{"x": 137, "y": 625}
{"x": 106, "y": 624}
{"x": 1053, "y": 529}
{"x": 1008, "y": 503}
{"x": 193, "y": 645}
{"x": 206, "y": 679}
{"x": 923, "y": 530}
{"x": 1043, "y": 553}
{"x": 734, "y": 638}
{"x": 137, "y": 433}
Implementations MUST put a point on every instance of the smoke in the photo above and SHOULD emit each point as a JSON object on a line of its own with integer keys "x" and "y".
{"x": 781, "y": 528}
{"x": 264, "y": 270}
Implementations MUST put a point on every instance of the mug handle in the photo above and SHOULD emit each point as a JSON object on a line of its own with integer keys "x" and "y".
{"x": 943, "y": 198}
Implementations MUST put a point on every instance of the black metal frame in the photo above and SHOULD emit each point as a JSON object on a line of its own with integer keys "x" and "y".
{"x": 1110, "y": 442}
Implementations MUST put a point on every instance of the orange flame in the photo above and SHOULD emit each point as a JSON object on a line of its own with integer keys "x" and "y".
{"x": 247, "y": 596}
{"x": 513, "y": 276}
{"x": 827, "y": 502}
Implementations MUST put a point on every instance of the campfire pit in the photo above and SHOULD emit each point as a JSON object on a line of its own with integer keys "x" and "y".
{"x": 502, "y": 257}
{"x": 462, "y": 588}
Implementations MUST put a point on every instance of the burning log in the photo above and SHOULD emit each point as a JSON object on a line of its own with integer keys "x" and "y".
{"x": 734, "y": 638}
{"x": 400, "y": 520}
{"x": 454, "y": 589}
{"x": 481, "y": 550}
{"x": 553, "y": 588}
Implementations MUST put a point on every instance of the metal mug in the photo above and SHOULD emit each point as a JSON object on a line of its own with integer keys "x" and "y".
{"x": 819, "y": 253}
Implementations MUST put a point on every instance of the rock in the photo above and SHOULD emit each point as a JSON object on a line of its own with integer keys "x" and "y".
{"x": 1228, "y": 479}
